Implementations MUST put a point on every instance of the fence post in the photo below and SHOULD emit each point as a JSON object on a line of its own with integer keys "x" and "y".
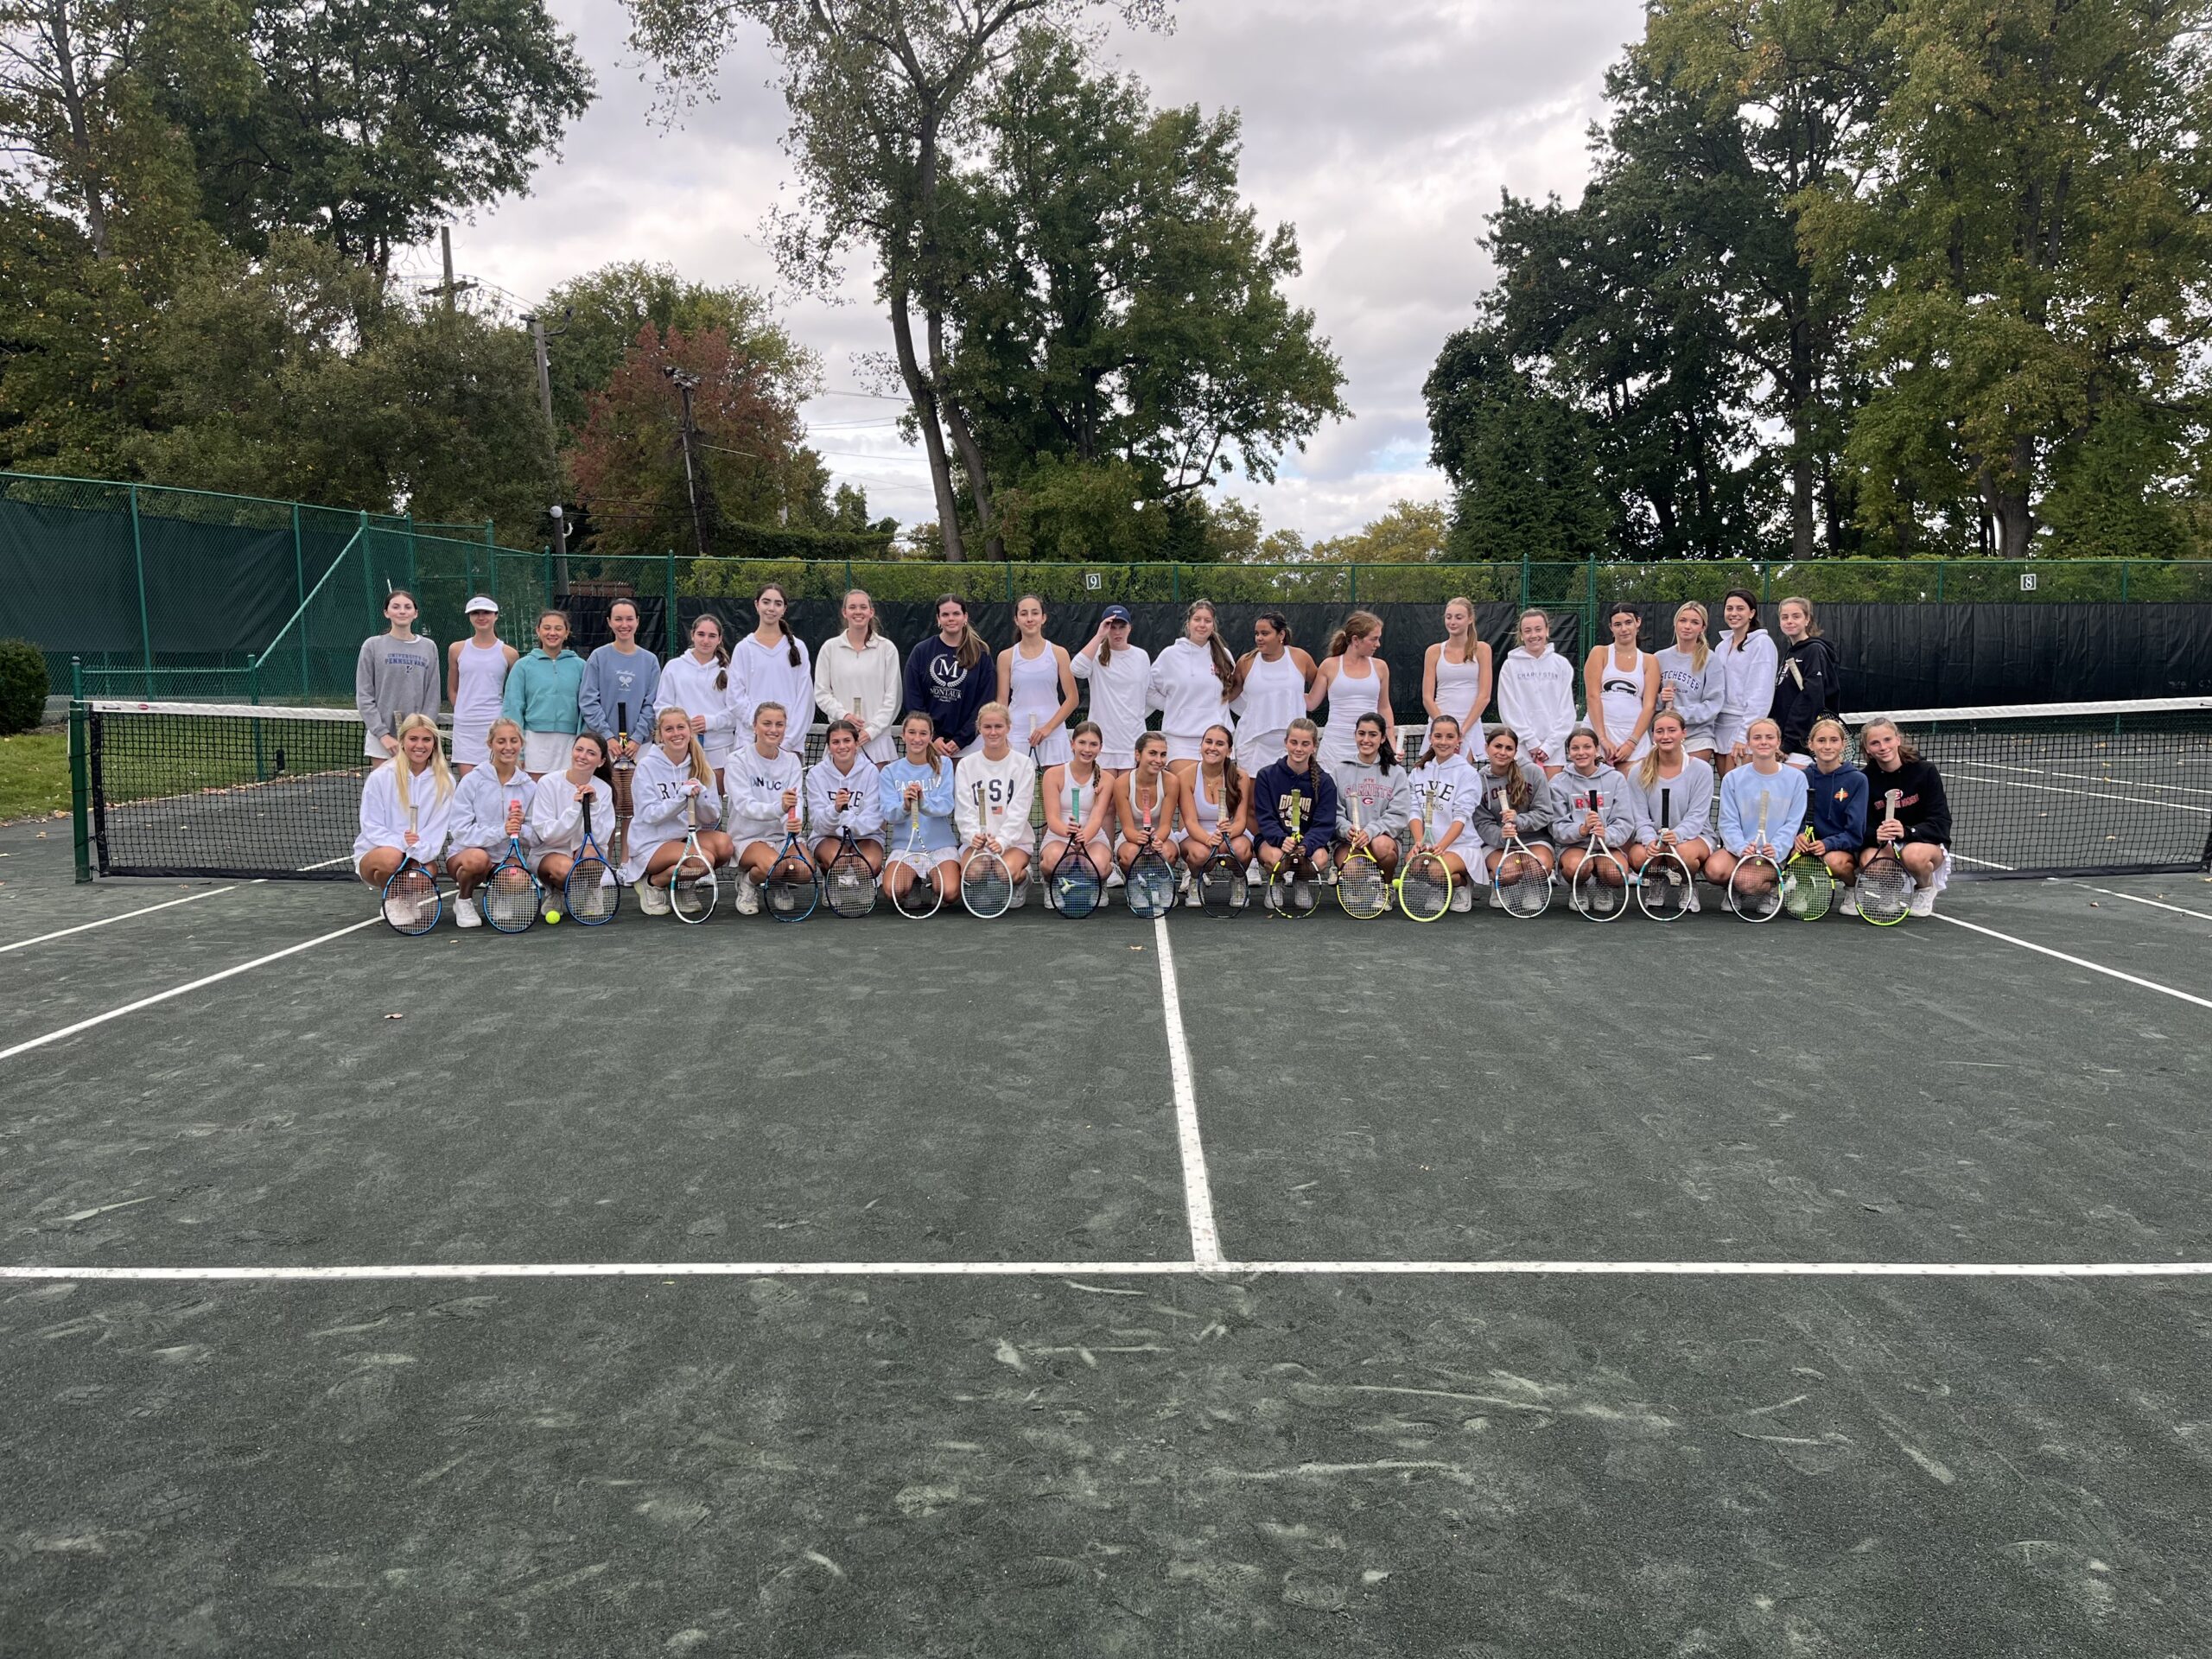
{"x": 1355, "y": 584}
{"x": 411, "y": 578}
{"x": 1175, "y": 583}
{"x": 1766, "y": 580}
{"x": 848, "y": 577}
{"x": 1940, "y": 565}
{"x": 675, "y": 643}
{"x": 145, "y": 625}
{"x": 2123, "y": 580}
{"x": 300, "y": 576}
{"x": 368, "y": 575}
{"x": 1524, "y": 578}
{"x": 80, "y": 792}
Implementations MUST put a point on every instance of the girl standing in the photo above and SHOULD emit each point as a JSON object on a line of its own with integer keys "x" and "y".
{"x": 1355, "y": 681}
{"x": 1691, "y": 681}
{"x": 672, "y": 784}
{"x": 556, "y": 810}
{"x": 1299, "y": 777}
{"x": 1535, "y": 694}
{"x": 699, "y": 680}
{"x": 1445, "y": 793}
{"x": 395, "y": 676}
{"x": 406, "y": 805}
{"x": 620, "y": 689}
{"x": 919, "y": 781}
{"x": 764, "y": 780}
{"x": 477, "y": 668}
{"x": 1272, "y": 680}
{"x": 1808, "y": 683}
{"x": 1620, "y": 683}
{"x": 1455, "y": 676}
{"x": 1148, "y": 800}
{"x": 1078, "y": 798}
{"x": 993, "y": 785}
{"x": 1762, "y": 780}
{"x": 1684, "y": 826}
{"x": 857, "y": 678}
{"x": 1120, "y": 681}
{"x": 1512, "y": 797}
{"x": 1192, "y": 683}
{"x": 1747, "y": 657}
{"x": 770, "y": 664}
{"x": 844, "y": 791}
{"x": 1220, "y": 796}
{"x": 541, "y": 697}
{"x": 489, "y": 805}
{"x": 1375, "y": 801}
{"x": 1037, "y": 686}
{"x": 947, "y": 678}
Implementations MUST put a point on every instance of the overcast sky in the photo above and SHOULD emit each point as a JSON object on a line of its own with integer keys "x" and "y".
{"x": 1383, "y": 132}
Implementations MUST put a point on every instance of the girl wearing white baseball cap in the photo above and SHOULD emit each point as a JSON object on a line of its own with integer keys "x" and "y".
{"x": 476, "y": 668}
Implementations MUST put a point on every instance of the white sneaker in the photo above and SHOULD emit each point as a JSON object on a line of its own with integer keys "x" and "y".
{"x": 1190, "y": 898}
{"x": 1301, "y": 895}
{"x": 1114, "y": 877}
{"x": 1497, "y": 900}
{"x": 1254, "y": 875}
{"x": 747, "y": 898}
{"x": 1691, "y": 903}
{"x": 465, "y": 913}
{"x": 653, "y": 900}
{"x": 1021, "y": 897}
{"x": 1923, "y": 901}
{"x": 1850, "y": 906}
{"x": 1463, "y": 899}
{"x": 1275, "y": 898}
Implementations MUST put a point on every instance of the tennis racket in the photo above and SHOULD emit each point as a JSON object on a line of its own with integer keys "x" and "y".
{"x": 1362, "y": 890}
{"x": 1755, "y": 886}
{"x": 591, "y": 894}
{"x": 851, "y": 884}
{"x": 412, "y": 903}
{"x": 986, "y": 881}
{"x": 1598, "y": 899}
{"x": 1886, "y": 886}
{"x": 620, "y": 785}
{"x": 1664, "y": 885}
{"x": 1807, "y": 887}
{"x": 1075, "y": 884}
{"x": 1285, "y": 886}
{"x": 919, "y": 897}
{"x": 692, "y": 888}
{"x": 794, "y": 889}
{"x": 1424, "y": 883}
{"x": 1222, "y": 889}
{"x": 1521, "y": 883}
{"x": 510, "y": 896}
{"x": 1149, "y": 888}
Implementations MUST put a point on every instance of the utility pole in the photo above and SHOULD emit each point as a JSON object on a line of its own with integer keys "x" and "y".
{"x": 447, "y": 290}
{"x": 686, "y": 384}
{"x": 537, "y": 338}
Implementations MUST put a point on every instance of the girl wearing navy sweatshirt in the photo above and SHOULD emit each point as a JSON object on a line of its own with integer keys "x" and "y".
{"x": 1835, "y": 818}
{"x": 949, "y": 676}
{"x": 1298, "y": 776}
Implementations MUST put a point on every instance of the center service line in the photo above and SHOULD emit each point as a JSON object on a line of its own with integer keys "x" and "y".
{"x": 1197, "y": 1191}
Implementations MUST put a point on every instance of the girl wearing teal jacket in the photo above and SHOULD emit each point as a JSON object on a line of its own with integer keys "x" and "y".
{"x": 541, "y": 697}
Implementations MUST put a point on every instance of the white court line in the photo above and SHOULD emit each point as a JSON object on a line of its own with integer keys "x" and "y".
{"x": 197, "y": 984}
{"x": 2155, "y": 903}
{"x": 446, "y": 1270}
{"x": 1962, "y": 772}
{"x": 87, "y": 927}
{"x": 1197, "y": 1191}
{"x": 2045, "y": 950}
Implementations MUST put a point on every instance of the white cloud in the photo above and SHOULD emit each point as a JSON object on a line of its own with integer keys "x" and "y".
{"x": 1383, "y": 132}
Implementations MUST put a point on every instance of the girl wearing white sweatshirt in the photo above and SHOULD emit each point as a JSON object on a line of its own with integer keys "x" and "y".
{"x": 1746, "y": 657}
{"x": 557, "y": 811}
{"x": 698, "y": 679}
{"x": 992, "y": 788}
{"x": 1536, "y": 694}
{"x": 1120, "y": 686}
{"x": 1446, "y": 791}
{"x": 764, "y": 781}
{"x": 1193, "y": 682}
{"x": 672, "y": 783}
{"x": 490, "y": 807}
{"x": 770, "y": 664}
{"x": 406, "y": 805}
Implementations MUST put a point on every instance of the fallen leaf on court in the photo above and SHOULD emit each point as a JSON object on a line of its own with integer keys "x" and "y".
{"x": 1137, "y": 947}
{"x": 395, "y": 1016}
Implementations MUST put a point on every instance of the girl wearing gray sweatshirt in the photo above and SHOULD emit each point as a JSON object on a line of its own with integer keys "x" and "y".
{"x": 1375, "y": 801}
{"x": 396, "y": 674}
{"x": 1693, "y": 681}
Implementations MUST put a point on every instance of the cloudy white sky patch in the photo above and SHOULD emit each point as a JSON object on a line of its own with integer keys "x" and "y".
{"x": 1383, "y": 131}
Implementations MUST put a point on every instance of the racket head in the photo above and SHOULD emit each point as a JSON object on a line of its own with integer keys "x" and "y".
{"x": 1755, "y": 888}
{"x": 1149, "y": 887}
{"x": 411, "y": 901}
{"x": 509, "y": 898}
{"x": 1663, "y": 888}
{"x": 1075, "y": 887}
{"x": 591, "y": 895}
{"x": 1885, "y": 891}
{"x": 986, "y": 885}
{"x": 1808, "y": 888}
{"x": 1222, "y": 891}
{"x": 850, "y": 884}
{"x": 1525, "y": 886}
{"x": 692, "y": 889}
{"x": 1424, "y": 887}
{"x": 791, "y": 892}
{"x": 1362, "y": 890}
{"x": 1600, "y": 891}
{"x": 919, "y": 898}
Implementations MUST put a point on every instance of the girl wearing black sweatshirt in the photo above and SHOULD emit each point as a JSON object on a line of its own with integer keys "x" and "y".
{"x": 1808, "y": 682}
{"x": 1923, "y": 830}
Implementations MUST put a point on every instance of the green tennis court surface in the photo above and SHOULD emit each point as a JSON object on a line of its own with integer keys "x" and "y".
{"x": 891, "y": 1289}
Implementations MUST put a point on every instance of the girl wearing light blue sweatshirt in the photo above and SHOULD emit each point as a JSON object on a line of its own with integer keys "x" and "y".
{"x": 918, "y": 796}
{"x": 1764, "y": 780}
{"x": 540, "y": 697}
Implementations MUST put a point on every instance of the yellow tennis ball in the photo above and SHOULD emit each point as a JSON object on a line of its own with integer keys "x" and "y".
{"x": 552, "y": 917}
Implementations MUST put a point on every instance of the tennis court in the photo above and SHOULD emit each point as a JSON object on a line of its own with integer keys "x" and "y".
{"x": 1191, "y": 1286}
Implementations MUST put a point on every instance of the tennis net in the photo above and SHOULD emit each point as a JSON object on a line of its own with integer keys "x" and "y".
{"x": 2058, "y": 789}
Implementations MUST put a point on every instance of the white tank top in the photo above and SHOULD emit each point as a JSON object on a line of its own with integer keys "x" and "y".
{"x": 1209, "y": 811}
{"x": 1274, "y": 694}
{"x": 1035, "y": 691}
{"x": 477, "y": 685}
{"x": 1090, "y": 786}
{"x": 1621, "y": 695}
{"x": 1456, "y": 685}
{"x": 1348, "y": 699}
{"x": 1142, "y": 801}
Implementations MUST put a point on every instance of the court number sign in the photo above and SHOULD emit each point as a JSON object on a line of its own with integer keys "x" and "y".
{"x": 1090, "y": 578}
{"x": 2027, "y": 582}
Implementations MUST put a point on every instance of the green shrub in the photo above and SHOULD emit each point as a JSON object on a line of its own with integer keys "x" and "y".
{"x": 23, "y": 686}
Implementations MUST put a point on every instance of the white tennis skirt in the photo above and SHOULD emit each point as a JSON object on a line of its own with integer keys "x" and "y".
{"x": 1255, "y": 750}
{"x": 1728, "y": 731}
{"x": 470, "y": 748}
{"x": 1183, "y": 748}
{"x": 544, "y": 752}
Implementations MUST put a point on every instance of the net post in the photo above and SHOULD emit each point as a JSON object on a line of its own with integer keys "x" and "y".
{"x": 145, "y": 624}
{"x": 80, "y": 789}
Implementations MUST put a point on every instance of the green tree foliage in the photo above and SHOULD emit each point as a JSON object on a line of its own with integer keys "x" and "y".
{"x": 1411, "y": 532}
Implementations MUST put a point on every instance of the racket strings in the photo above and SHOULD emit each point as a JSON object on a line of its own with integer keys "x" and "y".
{"x": 591, "y": 894}
{"x": 987, "y": 885}
{"x": 1663, "y": 888}
{"x": 1362, "y": 890}
{"x": 1755, "y": 889}
{"x": 1076, "y": 888}
{"x": 410, "y": 902}
{"x": 511, "y": 899}
{"x": 852, "y": 887}
{"x": 1150, "y": 886}
{"x": 1601, "y": 887}
{"x": 1425, "y": 889}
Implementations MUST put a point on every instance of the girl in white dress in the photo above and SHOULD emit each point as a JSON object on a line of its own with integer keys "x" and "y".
{"x": 1272, "y": 680}
{"x": 770, "y": 664}
{"x": 1037, "y": 685}
{"x": 699, "y": 680}
{"x": 1456, "y": 673}
{"x": 1149, "y": 800}
{"x": 1620, "y": 687}
{"x": 476, "y": 668}
{"x": 1355, "y": 681}
{"x": 1121, "y": 684}
{"x": 1192, "y": 683}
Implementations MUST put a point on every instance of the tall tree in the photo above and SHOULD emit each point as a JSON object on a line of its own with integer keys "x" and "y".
{"x": 883, "y": 94}
{"x": 1523, "y": 460}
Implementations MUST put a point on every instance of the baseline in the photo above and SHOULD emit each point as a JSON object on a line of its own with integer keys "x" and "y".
{"x": 2060, "y": 956}
{"x": 106, "y": 921}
